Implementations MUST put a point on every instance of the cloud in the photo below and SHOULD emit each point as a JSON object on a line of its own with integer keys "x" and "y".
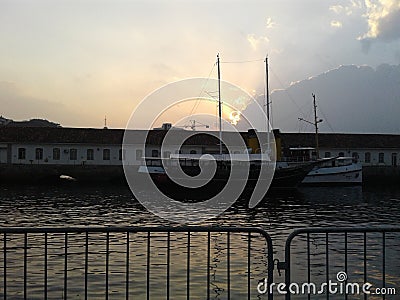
{"x": 348, "y": 10}
{"x": 256, "y": 40}
{"x": 383, "y": 17}
{"x": 336, "y": 24}
{"x": 270, "y": 23}
{"x": 336, "y": 8}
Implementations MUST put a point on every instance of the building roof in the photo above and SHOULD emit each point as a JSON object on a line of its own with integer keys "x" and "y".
{"x": 60, "y": 135}
{"x": 64, "y": 135}
{"x": 342, "y": 140}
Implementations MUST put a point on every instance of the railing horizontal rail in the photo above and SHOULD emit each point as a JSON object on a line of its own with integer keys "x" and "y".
{"x": 190, "y": 262}
{"x": 132, "y": 229}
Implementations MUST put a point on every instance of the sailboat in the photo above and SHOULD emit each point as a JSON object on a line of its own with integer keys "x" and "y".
{"x": 331, "y": 170}
{"x": 260, "y": 169}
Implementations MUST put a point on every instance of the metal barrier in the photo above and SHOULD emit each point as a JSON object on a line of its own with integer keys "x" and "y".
{"x": 351, "y": 256}
{"x": 194, "y": 262}
{"x": 134, "y": 262}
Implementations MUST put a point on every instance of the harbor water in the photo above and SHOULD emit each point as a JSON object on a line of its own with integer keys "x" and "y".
{"x": 72, "y": 204}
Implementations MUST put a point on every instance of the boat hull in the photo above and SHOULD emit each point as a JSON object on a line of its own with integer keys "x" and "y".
{"x": 284, "y": 178}
{"x": 344, "y": 175}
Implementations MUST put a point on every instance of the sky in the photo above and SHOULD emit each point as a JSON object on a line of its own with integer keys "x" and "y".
{"x": 75, "y": 62}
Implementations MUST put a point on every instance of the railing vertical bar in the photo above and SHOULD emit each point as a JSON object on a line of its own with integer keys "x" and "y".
{"x": 45, "y": 266}
{"x": 288, "y": 245}
{"x": 365, "y": 260}
{"x": 208, "y": 265}
{"x": 168, "y": 262}
{"x": 5, "y": 265}
{"x": 127, "y": 266}
{"x": 188, "y": 267}
{"x": 308, "y": 262}
{"x": 107, "y": 261}
{"x": 65, "y": 264}
{"x": 345, "y": 259}
{"x": 86, "y": 263}
{"x": 327, "y": 259}
{"x": 229, "y": 263}
{"x": 384, "y": 261}
{"x": 148, "y": 267}
{"x": 25, "y": 262}
{"x": 270, "y": 258}
{"x": 248, "y": 265}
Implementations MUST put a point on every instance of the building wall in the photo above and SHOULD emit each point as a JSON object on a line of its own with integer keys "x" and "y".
{"x": 132, "y": 154}
{"x": 65, "y": 152}
{"x": 388, "y": 155}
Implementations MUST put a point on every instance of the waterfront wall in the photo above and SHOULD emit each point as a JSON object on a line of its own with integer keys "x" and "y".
{"x": 381, "y": 174}
{"x": 115, "y": 173}
{"x": 47, "y": 173}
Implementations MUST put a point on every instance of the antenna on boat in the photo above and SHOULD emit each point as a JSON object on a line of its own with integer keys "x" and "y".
{"x": 266, "y": 105}
{"x": 219, "y": 106}
{"x": 315, "y": 123}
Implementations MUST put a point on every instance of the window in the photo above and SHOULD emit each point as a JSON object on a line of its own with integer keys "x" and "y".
{"x": 56, "y": 153}
{"x": 367, "y": 157}
{"x": 39, "y": 153}
{"x": 139, "y": 154}
{"x": 154, "y": 153}
{"x": 73, "y": 154}
{"x": 381, "y": 158}
{"x": 394, "y": 159}
{"x": 193, "y": 152}
{"x": 21, "y": 153}
{"x": 327, "y": 154}
{"x": 167, "y": 154}
{"x": 355, "y": 156}
{"x": 341, "y": 154}
{"x": 106, "y": 154}
{"x": 89, "y": 154}
{"x": 121, "y": 154}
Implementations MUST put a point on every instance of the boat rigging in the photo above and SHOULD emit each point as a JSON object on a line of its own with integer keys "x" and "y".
{"x": 315, "y": 124}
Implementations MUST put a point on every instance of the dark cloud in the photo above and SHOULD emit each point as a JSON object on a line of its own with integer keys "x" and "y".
{"x": 389, "y": 26}
{"x": 383, "y": 22}
{"x": 365, "y": 45}
{"x": 350, "y": 99}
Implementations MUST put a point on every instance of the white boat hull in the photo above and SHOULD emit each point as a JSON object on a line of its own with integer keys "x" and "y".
{"x": 350, "y": 174}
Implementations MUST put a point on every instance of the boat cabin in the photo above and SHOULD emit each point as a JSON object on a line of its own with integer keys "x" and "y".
{"x": 300, "y": 154}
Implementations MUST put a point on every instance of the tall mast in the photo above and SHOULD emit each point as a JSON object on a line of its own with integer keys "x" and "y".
{"x": 267, "y": 100}
{"x": 267, "y": 91}
{"x": 316, "y": 121}
{"x": 219, "y": 106}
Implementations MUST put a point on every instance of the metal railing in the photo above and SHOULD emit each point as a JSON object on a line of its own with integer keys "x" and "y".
{"x": 134, "y": 262}
{"x": 344, "y": 254}
{"x": 191, "y": 262}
